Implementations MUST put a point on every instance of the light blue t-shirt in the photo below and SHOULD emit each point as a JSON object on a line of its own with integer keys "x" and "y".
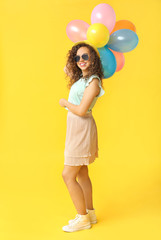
{"x": 77, "y": 91}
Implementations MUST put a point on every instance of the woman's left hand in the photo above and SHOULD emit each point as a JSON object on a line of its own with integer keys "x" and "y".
{"x": 62, "y": 102}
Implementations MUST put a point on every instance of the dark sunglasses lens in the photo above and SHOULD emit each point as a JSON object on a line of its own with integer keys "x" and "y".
{"x": 85, "y": 56}
{"x": 77, "y": 58}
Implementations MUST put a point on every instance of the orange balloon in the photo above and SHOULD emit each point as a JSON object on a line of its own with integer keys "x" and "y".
{"x": 123, "y": 24}
{"x": 120, "y": 59}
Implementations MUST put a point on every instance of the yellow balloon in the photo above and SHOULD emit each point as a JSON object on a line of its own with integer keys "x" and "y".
{"x": 98, "y": 35}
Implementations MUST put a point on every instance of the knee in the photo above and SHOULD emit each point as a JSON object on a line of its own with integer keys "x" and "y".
{"x": 67, "y": 177}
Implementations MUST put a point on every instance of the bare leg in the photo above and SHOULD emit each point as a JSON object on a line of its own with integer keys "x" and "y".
{"x": 69, "y": 175}
{"x": 86, "y": 185}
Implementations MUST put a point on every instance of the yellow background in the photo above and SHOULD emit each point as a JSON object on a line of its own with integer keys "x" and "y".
{"x": 126, "y": 178}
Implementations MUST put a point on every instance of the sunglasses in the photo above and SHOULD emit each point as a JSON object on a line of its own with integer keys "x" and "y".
{"x": 84, "y": 57}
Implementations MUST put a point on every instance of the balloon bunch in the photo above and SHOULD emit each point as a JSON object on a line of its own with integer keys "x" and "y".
{"x": 111, "y": 38}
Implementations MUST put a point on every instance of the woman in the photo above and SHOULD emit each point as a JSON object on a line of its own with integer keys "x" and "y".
{"x": 81, "y": 147}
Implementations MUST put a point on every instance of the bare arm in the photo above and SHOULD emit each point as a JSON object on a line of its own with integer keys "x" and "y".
{"x": 90, "y": 93}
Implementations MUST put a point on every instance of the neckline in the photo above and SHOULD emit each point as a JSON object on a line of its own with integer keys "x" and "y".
{"x": 81, "y": 77}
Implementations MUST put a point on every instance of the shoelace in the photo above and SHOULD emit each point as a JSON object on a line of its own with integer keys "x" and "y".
{"x": 76, "y": 220}
{"x": 75, "y": 217}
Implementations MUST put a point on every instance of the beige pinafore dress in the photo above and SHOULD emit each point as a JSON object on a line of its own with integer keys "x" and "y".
{"x": 81, "y": 143}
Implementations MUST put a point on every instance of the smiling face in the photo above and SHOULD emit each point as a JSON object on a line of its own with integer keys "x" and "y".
{"x": 83, "y": 64}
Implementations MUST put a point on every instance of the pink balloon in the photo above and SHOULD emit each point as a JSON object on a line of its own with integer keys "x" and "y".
{"x": 76, "y": 30}
{"x": 120, "y": 59}
{"x": 104, "y": 13}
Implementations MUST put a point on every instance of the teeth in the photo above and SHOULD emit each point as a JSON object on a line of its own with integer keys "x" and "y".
{"x": 82, "y": 64}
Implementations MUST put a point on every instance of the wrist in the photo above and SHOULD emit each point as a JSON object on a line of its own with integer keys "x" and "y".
{"x": 65, "y": 102}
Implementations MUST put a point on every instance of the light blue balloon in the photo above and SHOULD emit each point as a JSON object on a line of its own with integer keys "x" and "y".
{"x": 123, "y": 40}
{"x": 108, "y": 61}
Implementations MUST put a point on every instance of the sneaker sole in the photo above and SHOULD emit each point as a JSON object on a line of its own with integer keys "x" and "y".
{"x": 94, "y": 222}
{"x": 81, "y": 228}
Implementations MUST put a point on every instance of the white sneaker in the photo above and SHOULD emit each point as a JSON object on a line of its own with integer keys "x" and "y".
{"x": 92, "y": 216}
{"x": 79, "y": 223}
{"x": 70, "y": 221}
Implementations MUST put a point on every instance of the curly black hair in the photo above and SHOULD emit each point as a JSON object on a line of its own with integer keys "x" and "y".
{"x": 74, "y": 73}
